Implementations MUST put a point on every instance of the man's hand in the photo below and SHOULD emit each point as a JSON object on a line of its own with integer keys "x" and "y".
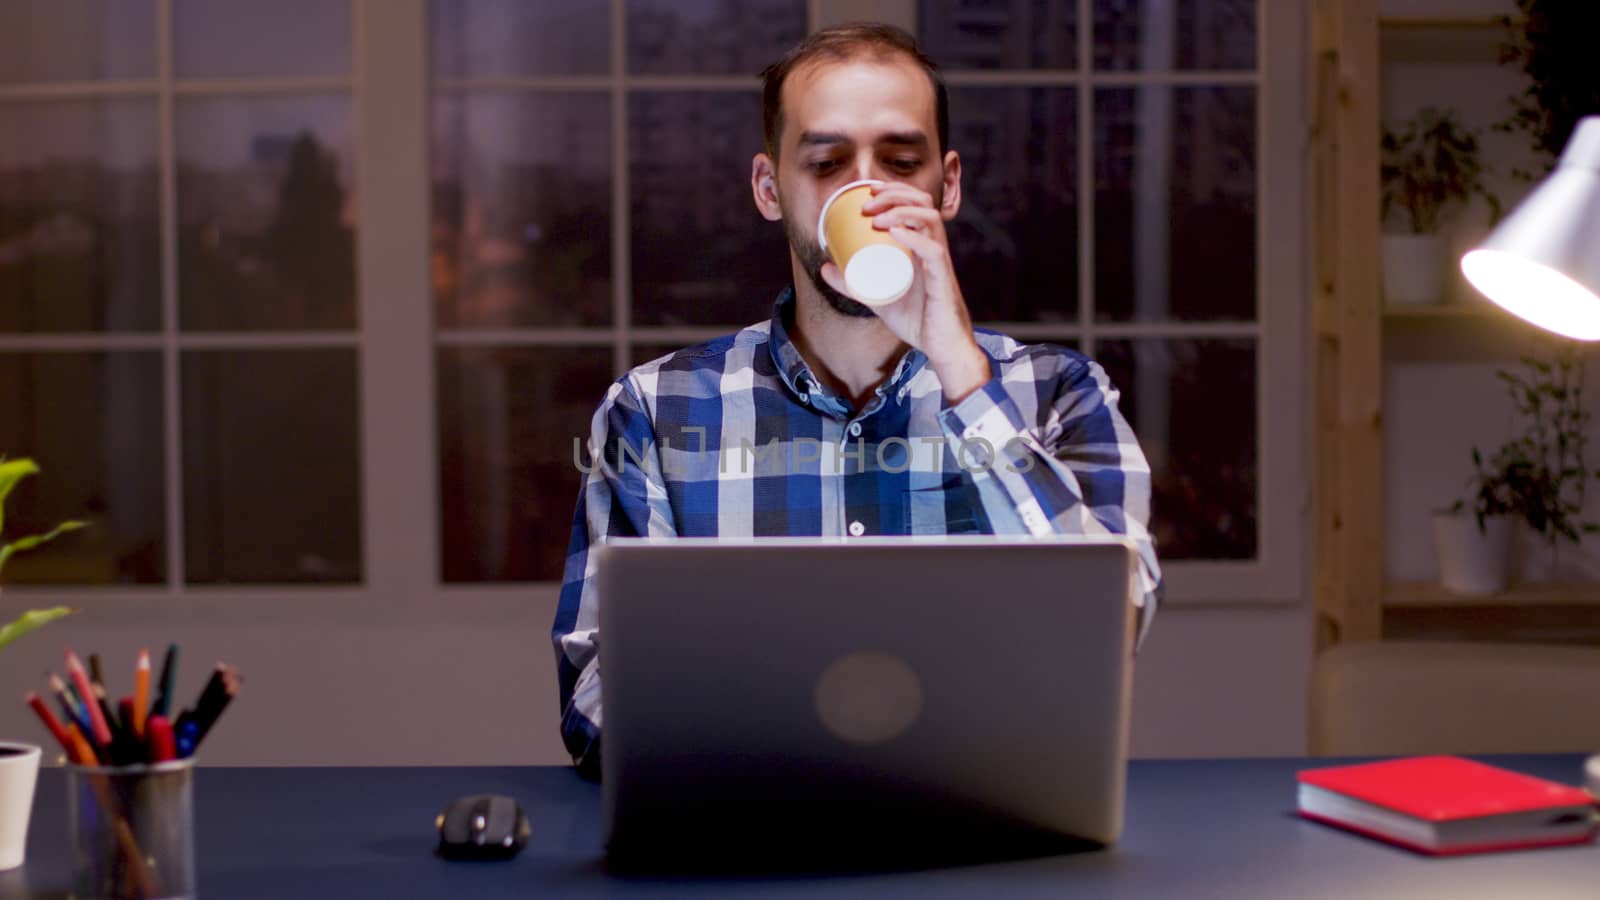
{"x": 932, "y": 316}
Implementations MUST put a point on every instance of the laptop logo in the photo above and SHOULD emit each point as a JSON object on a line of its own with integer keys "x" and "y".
{"x": 868, "y": 698}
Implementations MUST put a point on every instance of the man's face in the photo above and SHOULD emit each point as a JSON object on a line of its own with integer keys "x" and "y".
{"x": 846, "y": 121}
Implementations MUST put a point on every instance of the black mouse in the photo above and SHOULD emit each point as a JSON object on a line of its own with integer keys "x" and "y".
{"x": 482, "y": 826}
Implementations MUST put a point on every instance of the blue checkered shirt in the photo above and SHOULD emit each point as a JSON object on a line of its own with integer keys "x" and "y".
{"x": 737, "y": 438}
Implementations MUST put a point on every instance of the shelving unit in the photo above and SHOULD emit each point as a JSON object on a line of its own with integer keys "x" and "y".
{"x": 1440, "y": 311}
{"x": 1351, "y": 42}
{"x": 1430, "y": 595}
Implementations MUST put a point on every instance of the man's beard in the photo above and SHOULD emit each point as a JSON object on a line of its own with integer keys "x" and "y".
{"x": 812, "y": 258}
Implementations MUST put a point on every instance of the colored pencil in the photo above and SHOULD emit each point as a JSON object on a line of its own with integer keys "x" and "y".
{"x": 97, "y": 720}
{"x": 83, "y": 752}
{"x": 113, "y": 724}
{"x": 162, "y": 747}
{"x": 69, "y": 702}
{"x": 141, "y": 693}
{"x": 219, "y": 691}
{"x": 50, "y": 722}
{"x": 130, "y": 750}
{"x": 169, "y": 666}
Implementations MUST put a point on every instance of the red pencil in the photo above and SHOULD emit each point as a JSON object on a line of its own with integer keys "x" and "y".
{"x": 50, "y": 722}
{"x": 102, "y": 731}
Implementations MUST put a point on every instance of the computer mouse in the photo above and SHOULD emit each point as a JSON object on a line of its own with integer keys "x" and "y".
{"x": 482, "y": 826}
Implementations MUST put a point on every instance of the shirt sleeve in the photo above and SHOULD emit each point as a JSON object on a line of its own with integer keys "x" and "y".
{"x": 623, "y": 495}
{"x": 1078, "y": 470}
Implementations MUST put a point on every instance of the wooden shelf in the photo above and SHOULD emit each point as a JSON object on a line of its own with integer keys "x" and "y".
{"x": 1439, "y": 23}
{"x": 1471, "y": 310}
{"x": 1430, "y": 595}
{"x": 1445, "y": 39}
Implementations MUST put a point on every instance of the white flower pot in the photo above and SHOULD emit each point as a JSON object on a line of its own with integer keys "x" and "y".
{"x": 19, "y": 771}
{"x": 1472, "y": 561}
{"x": 1413, "y": 268}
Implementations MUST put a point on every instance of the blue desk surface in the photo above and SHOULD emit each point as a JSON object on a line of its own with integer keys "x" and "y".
{"x": 1194, "y": 829}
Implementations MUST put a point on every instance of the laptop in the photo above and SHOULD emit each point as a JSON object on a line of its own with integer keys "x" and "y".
{"x": 782, "y": 697}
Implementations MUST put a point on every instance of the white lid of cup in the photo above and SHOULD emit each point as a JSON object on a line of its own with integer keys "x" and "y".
{"x": 878, "y": 274}
{"x": 822, "y": 233}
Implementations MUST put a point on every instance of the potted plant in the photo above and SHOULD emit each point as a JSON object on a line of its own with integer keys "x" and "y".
{"x": 1429, "y": 166}
{"x": 1537, "y": 479}
{"x": 1552, "y": 42}
{"x": 19, "y": 762}
{"x": 1474, "y": 550}
{"x": 1548, "y": 396}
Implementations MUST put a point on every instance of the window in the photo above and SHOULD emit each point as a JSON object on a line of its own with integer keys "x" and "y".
{"x": 177, "y": 289}
{"x": 420, "y": 237}
{"x": 1110, "y": 207}
{"x": 591, "y": 209}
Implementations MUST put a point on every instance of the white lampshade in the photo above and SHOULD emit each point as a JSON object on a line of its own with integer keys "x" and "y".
{"x": 1543, "y": 261}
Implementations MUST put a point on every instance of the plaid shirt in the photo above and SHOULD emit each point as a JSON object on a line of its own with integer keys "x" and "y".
{"x": 737, "y": 438}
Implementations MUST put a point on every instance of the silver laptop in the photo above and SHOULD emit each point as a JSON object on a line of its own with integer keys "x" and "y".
{"x": 820, "y": 695}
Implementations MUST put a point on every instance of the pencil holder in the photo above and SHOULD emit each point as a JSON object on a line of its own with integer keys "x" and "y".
{"x": 132, "y": 830}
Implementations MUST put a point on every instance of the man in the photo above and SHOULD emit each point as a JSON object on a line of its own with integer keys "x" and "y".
{"x": 835, "y": 419}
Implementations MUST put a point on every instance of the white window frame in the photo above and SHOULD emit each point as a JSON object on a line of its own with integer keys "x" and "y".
{"x": 397, "y": 342}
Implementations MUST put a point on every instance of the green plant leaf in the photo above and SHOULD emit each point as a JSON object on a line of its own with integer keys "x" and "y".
{"x": 33, "y": 540}
{"x": 30, "y": 620}
{"x": 11, "y": 472}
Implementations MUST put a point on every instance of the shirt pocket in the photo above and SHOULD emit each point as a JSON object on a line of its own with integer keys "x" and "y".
{"x": 949, "y": 508}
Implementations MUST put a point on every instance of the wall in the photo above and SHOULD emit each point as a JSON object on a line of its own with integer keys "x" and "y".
{"x": 345, "y": 690}
{"x": 381, "y": 678}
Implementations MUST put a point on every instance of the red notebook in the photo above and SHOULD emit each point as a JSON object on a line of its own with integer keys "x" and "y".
{"x": 1447, "y": 805}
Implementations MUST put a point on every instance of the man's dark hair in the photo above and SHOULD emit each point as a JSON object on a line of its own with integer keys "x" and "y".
{"x": 844, "y": 42}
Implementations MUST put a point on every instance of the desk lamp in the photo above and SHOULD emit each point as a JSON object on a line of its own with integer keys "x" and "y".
{"x": 1542, "y": 262}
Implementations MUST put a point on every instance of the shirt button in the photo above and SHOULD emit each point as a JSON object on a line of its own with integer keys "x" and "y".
{"x": 857, "y": 529}
{"x": 855, "y": 429}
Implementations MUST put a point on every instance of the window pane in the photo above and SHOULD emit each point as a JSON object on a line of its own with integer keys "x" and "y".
{"x": 266, "y": 216}
{"x": 522, "y": 209}
{"x": 1161, "y": 35}
{"x": 999, "y": 34}
{"x": 1192, "y": 404}
{"x": 643, "y": 353}
{"x": 271, "y": 466}
{"x": 701, "y": 253}
{"x": 93, "y": 423}
{"x": 79, "y": 235}
{"x": 507, "y": 38}
{"x": 1015, "y": 240}
{"x": 711, "y": 37}
{"x": 507, "y": 480}
{"x": 1175, "y": 204}
{"x": 76, "y": 40}
{"x": 255, "y": 39}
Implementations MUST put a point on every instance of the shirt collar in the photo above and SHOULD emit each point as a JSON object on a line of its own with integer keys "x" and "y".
{"x": 797, "y": 376}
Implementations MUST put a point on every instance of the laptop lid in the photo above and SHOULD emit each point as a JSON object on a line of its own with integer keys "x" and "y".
{"x": 906, "y": 686}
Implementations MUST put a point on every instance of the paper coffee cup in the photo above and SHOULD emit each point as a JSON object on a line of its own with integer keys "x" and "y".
{"x": 877, "y": 268}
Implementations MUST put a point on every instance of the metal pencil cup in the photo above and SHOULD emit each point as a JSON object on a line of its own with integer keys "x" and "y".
{"x": 132, "y": 831}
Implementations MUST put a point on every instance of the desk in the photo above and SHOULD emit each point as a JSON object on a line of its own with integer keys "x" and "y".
{"x": 1195, "y": 829}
